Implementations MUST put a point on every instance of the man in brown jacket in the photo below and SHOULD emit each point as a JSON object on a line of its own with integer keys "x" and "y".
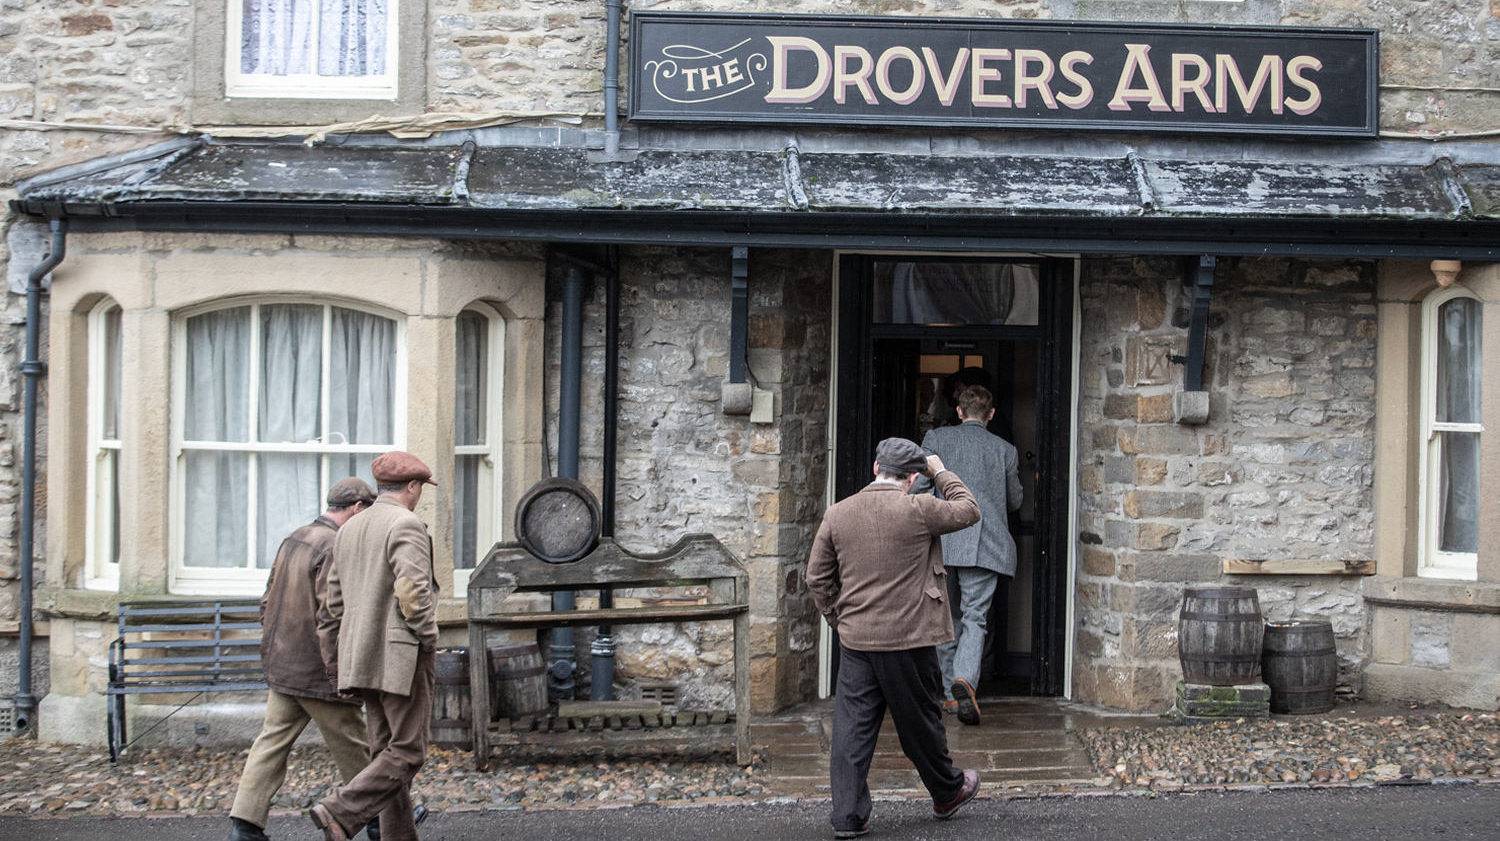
{"x": 876, "y": 573}
{"x": 382, "y": 601}
{"x": 297, "y": 661}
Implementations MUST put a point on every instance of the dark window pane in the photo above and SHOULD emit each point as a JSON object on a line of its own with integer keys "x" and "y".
{"x": 1458, "y": 362}
{"x": 952, "y": 293}
{"x": 473, "y": 373}
{"x": 1458, "y": 492}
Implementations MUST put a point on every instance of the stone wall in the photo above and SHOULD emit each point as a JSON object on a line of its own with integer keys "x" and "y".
{"x": 1282, "y": 471}
{"x": 683, "y": 466}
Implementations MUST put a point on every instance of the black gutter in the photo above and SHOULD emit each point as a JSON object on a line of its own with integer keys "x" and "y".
{"x": 32, "y": 369}
{"x": 1203, "y": 287}
{"x": 570, "y": 393}
{"x": 602, "y": 651}
{"x": 1477, "y": 239}
{"x": 611, "y": 78}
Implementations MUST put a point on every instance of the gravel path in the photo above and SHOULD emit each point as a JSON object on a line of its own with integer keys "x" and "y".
{"x": 40, "y": 779}
{"x": 1300, "y": 750}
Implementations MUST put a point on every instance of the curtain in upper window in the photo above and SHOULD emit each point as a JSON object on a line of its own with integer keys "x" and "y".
{"x": 313, "y": 37}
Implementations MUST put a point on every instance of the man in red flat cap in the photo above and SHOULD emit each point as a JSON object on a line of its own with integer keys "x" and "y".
{"x": 382, "y": 597}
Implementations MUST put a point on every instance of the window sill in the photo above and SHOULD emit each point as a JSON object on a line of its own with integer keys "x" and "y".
{"x": 1433, "y": 594}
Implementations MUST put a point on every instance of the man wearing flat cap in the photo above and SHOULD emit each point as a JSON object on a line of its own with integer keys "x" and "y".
{"x": 382, "y": 604}
{"x": 298, "y": 657}
{"x": 876, "y": 573}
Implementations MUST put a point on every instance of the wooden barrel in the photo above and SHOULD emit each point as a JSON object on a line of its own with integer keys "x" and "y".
{"x": 1301, "y": 666}
{"x": 1219, "y": 635}
{"x": 451, "y": 709}
{"x": 518, "y": 680}
{"x": 558, "y": 520}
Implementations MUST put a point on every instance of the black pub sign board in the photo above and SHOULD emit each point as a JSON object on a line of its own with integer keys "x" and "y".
{"x": 767, "y": 68}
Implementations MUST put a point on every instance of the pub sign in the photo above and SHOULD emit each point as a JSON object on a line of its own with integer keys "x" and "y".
{"x": 766, "y": 68}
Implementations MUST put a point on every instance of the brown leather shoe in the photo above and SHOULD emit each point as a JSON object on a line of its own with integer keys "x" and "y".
{"x": 968, "y": 702}
{"x": 950, "y": 708}
{"x": 321, "y": 818}
{"x": 948, "y": 808}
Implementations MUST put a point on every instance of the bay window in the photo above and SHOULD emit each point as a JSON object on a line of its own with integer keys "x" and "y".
{"x": 274, "y": 401}
{"x": 480, "y": 333}
{"x": 102, "y": 545}
{"x": 1451, "y": 428}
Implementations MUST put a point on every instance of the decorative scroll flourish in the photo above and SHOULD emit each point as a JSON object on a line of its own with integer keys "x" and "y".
{"x": 693, "y": 74}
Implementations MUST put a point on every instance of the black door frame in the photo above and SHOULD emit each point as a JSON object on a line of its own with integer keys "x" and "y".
{"x": 855, "y": 447}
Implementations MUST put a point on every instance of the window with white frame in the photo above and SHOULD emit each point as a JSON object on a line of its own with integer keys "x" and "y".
{"x": 1451, "y": 368}
{"x": 102, "y": 543}
{"x": 311, "y": 49}
{"x": 275, "y": 400}
{"x": 480, "y": 339}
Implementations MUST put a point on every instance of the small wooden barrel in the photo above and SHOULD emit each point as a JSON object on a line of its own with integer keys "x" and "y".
{"x": 1219, "y": 635}
{"x": 451, "y": 709}
{"x": 518, "y": 680}
{"x": 558, "y": 520}
{"x": 1301, "y": 666}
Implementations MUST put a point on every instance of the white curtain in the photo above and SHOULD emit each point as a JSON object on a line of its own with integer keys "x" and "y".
{"x": 469, "y": 423}
{"x": 291, "y": 365}
{"x": 362, "y": 385}
{"x": 216, "y": 483}
{"x": 329, "y": 37}
{"x": 1458, "y": 401}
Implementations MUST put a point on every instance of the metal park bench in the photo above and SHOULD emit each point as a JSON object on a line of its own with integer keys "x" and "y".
{"x": 181, "y": 647}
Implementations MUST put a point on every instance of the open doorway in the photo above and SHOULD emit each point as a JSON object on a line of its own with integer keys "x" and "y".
{"x": 909, "y": 328}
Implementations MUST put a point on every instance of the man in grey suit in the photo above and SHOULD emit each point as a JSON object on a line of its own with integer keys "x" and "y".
{"x": 976, "y": 556}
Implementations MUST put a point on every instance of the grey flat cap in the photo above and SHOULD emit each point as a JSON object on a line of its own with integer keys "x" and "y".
{"x": 349, "y": 491}
{"x": 898, "y": 455}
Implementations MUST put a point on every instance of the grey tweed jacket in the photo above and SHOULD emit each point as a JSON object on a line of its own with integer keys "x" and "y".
{"x": 990, "y": 467}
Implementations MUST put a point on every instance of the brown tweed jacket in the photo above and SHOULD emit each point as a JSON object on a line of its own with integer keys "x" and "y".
{"x": 876, "y": 570}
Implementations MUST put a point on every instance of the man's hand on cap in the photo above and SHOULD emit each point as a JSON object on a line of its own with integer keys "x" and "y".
{"x": 934, "y": 466}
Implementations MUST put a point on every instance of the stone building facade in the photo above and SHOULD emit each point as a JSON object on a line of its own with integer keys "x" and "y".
{"x": 1306, "y": 477}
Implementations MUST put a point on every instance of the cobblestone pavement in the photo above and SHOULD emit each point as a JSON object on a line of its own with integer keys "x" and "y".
{"x": 1026, "y": 749}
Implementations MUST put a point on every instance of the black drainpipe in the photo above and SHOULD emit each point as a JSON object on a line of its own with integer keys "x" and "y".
{"x": 611, "y": 77}
{"x": 32, "y": 369}
{"x": 560, "y": 641}
{"x": 602, "y": 677}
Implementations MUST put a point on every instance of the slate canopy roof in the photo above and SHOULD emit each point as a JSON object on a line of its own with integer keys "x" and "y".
{"x": 1391, "y": 199}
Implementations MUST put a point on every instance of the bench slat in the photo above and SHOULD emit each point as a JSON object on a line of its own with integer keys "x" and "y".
{"x": 243, "y": 686}
{"x": 238, "y": 642}
{"x": 200, "y": 674}
{"x": 194, "y": 609}
{"x": 190, "y": 658}
{"x": 197, "y": 626}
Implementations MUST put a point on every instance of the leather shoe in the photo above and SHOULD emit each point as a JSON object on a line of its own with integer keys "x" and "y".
{"x": 418, "y": 814}
{"x": 243, "y": 830}
{"x": 950, "y": 708}
{"x": 321, "y": 818}
{"x": 968, "y": 702}
{"x": 948, "y": 808}
{"x": 853, "y": 833}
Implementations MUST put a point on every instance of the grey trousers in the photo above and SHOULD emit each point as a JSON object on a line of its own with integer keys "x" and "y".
{"x": 905, "y": 683}
{"x": 970, "y": 591}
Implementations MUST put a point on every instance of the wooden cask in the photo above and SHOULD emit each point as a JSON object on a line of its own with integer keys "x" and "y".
{"x": 1219, "y": 634}
{"x": 518, "y": 680}
{"x": 451, "y": 709}
{"x": 1301, "y": 666}
{"x": 558, "y": 520}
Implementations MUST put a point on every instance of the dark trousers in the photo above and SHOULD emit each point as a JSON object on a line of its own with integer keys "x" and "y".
{"x": 910, "y": 685}
{"x": 398, "y": 729}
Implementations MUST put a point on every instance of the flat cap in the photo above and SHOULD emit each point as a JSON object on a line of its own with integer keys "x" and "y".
{"x": 398, "y": 466}
{"x": 898, "y": 455}
{"x": 349, "y": 491}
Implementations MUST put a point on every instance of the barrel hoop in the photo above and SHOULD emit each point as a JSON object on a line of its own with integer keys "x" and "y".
{"x": 1312, "y": 690}
{"x": 1221, "y": 658}
{"x": 1219, "y": 593}
{"x": 531, "y": 672}
{"x": 1237, "y": 618}
{"x": 1317, "y": 652}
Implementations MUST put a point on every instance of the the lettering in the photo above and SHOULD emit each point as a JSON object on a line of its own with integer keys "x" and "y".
{"x": 782, "y": 47}
{"x": 1138, "y": 63}
{"x": 980, "y": 73}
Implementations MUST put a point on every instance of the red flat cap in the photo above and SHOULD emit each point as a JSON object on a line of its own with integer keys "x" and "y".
{"x": 397, "y": 466}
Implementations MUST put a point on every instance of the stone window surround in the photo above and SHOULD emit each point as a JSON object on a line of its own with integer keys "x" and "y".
{"x": 211, "y": 105}
{"x": 152, "y": 277}
{"x": 1402, "y": 288}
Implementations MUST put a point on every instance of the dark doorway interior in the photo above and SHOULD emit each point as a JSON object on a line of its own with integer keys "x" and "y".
{"x": 908, "y": 329}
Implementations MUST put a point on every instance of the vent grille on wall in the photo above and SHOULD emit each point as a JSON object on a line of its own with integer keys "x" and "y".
{"x": 7, "y": 718}
{"x": 663, "y": 693}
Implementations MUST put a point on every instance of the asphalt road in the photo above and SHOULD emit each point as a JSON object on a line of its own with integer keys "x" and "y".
{"x": 1445, "y": 813}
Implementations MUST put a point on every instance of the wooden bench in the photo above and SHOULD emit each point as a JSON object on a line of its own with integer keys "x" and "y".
{"x": 697, "y": 559}
{"x": 181, "y": 647}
